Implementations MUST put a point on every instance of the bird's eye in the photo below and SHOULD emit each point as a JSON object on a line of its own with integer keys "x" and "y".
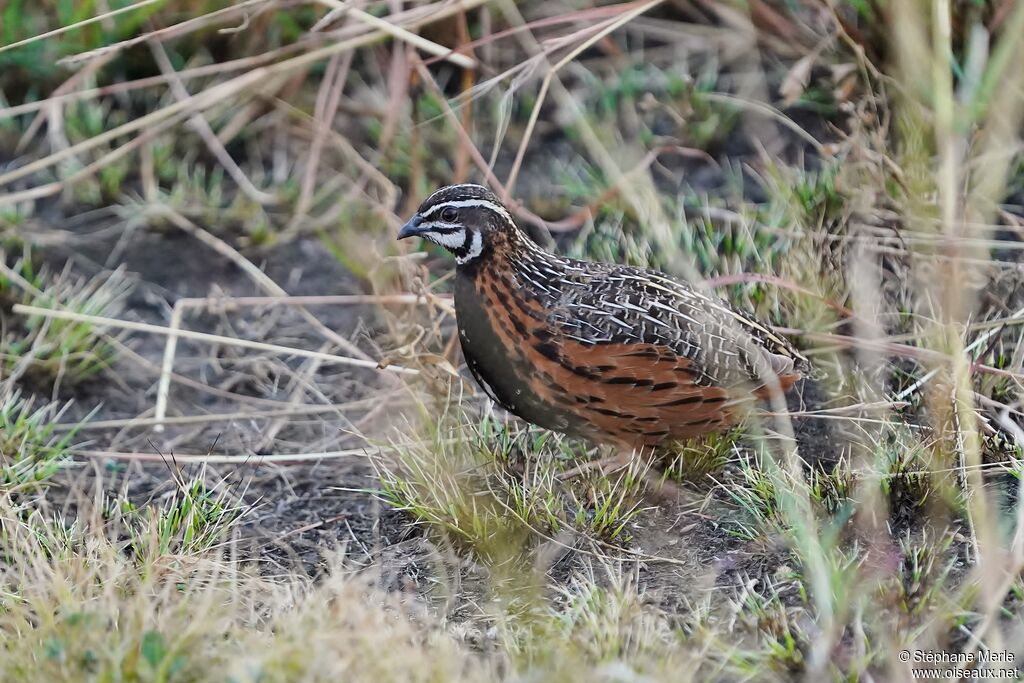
{"x": 449, "y": 215}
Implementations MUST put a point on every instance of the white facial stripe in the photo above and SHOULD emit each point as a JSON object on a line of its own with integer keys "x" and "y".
{"x": 467, "y": 204}
{"x": 451, "y": 240}
{"x": 475, "y": 248}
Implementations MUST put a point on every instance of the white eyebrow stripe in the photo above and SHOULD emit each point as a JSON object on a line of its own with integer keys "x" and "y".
{"x": 468, "y": 204}
{"x": 450, "y": 188}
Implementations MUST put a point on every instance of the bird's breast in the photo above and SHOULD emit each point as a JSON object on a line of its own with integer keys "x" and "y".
{"x": 496, "y": 325}
{"x": 632, "y": 394}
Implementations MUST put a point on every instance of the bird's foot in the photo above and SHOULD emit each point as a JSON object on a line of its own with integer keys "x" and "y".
{"x": 606, "y": 465}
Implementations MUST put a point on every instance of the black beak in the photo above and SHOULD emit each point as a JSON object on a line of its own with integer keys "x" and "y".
{"x": 410, "y": 229}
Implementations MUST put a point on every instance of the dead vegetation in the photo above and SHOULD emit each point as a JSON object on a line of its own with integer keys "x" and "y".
{"x": 235, "y": 442}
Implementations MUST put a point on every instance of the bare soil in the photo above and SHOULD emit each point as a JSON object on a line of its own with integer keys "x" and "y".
{"x": 298, "y": 511}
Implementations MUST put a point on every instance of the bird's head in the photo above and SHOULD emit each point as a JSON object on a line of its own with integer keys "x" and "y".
{"x": 464, "y": 219}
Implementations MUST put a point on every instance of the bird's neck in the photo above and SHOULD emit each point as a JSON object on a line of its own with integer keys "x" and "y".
{"x": 515, "y": 264}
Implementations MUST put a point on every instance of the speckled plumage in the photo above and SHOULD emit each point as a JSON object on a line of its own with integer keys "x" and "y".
{"x": 612, "y": 353}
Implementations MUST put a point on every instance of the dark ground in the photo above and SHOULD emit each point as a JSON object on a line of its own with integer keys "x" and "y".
{"x": 295, "y": 512}
{"x": 298, "y": 511}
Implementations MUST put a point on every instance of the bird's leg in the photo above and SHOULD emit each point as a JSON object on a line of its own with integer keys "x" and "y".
{"x": 613, "y": 459}
{"x": 662, "y": 489}
{"x": 617, "y": 458}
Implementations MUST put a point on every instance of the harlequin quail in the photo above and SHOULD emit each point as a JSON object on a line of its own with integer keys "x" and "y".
{"x": 618, "y": 355}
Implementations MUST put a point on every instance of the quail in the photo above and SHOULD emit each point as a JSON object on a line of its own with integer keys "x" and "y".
{"x": 618, "y": 355}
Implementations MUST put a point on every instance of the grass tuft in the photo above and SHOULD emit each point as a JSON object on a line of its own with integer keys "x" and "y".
{"x": 699, "y": 460}
{"x": 193, "y": 519}
{"x": 76, "y": 607}
{"x": 62, "y": 349}
{"x": 451, "y": 484}
{"x": 31, "y": 449}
